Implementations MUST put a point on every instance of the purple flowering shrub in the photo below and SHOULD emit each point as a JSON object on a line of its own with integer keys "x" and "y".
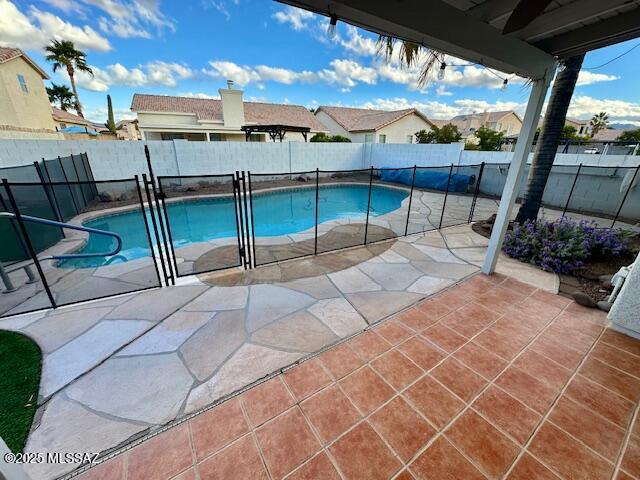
{"x": 563, "y": 245}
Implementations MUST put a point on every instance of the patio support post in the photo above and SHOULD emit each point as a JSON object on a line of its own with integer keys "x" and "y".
{"x": 516, "y": 170}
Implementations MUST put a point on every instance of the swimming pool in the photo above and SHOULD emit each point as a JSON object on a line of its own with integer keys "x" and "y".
{"x": 275, "y": 213}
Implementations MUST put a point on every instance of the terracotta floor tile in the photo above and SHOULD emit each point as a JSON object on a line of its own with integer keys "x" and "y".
{"x": 474, "y": 287}
{"x": 578, "y": 323}
{"x": 602, "y": 401}
{"x": 444, "y": 337}
{"x": 499, "y": 299}
{"x": 307, "y": 378}
{"x": 504, "y": 411}
{"x": 452, "y": 298}
{"x": 530, "y": 391}
{"x": 286, "y": 442}
{"x": 393, "y": 332}
{"x": 501, "y": 345}
{"x": 558, "y": 352}
{"x": 319, "y": 467}
{"x": 405, "y": 475}
{"x": 190, "y": 474}
{"x": 113, "y": 469}
{"x": 369, "y": 345}
{"x": 495, "y": 278}
{"x": 366, "y": 389}
{"x": 567, "y": 456}
{"x": 265, "y": 401}
{"x": 518, "y": 286}
{"x": 162, "y": 456}
{"x": 593, "y": 315}
{"x": 361, "y": 454}
{"x": 434, "y": 401}
{"x": 621, "y": 341}
{"x": 215, "y": 428}
{"x": 617, "y": 358}
{"x": 570, "y": 337}
{"x": 542, "y": 368}
{"x": 416, "y": 319}
{"x": 461, "y": 380}
{"x": 631, "y": 458}
{"x": 515, "y": 329}
{"x": 483, "y": 443}
{"x": 623, "y": 476}
{"x": 528, "y": 468}
{"x": 551, "y": 298}
{"x": 480, "y": 360}
{"x": 436, "y": 307}
{"x": 423, "y": 353}
{"x": 340, "y": 360}
{"x": 402, "y": 427}
{"x": 536, "y": 312}
{"x": 441, "y": 461}
{"x": 396, "y": 369}
{"x": 330, "y": 412}
{"x": 240, "y": 461}
{"x": 469, "y": 319}
{"x": 594, "y": 431}
{"x": 611, "y": 378}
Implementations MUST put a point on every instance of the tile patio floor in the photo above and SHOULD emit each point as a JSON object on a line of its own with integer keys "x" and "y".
{"x": 491, "y": 378}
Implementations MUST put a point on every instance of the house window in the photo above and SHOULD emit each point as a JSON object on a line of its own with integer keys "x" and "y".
{"x": 172, "y": 136}
{"x": 382, "y": 138}
{"x": 409, "y": 138}
{"x": 23, "y": 84}
{"x": 215, "y": 137}
{"x": 368, "y": 138}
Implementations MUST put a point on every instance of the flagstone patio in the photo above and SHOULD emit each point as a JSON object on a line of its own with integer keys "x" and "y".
{"x": 490, "y": 379}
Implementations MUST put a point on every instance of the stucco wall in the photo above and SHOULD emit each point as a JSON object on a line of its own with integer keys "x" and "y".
{"x": 397, "y": 132}
{"x": 20, "y": 109}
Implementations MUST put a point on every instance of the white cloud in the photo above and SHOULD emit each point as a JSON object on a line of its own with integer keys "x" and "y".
{"x": 348, "y": 73}
{"x": 232, "y": 71}
{"x": 587, "y": 78}
{"x": 358, "y": 44}
{"x": 131, "y": 18}
{"x": 199, "y": 95}
{"x": 36, "y": 29}
{"x": 298, "y": 18}
{"x": 442, "y": 91}
{"x": 619, "y": 111}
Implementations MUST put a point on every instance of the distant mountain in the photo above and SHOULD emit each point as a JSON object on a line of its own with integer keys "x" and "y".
{"x": 623, "y": 126}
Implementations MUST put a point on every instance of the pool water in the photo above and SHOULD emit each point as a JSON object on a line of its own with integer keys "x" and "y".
{"x": 275, "y": 213}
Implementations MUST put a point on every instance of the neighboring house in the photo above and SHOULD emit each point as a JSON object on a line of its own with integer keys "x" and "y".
{"x": 204, "y": 119}
{"x": 508, "y": 122}
{"x": 25, "y": 111}
{"x": 363, "y": 125}
{"x": 128, "y": 130}
{"x": 64, "y": 119}
{"x": 583, "y": 127}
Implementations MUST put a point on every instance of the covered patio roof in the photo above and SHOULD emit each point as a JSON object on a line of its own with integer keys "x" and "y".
{"x": 514, "y": 36}
{"x": 274, "y": 131}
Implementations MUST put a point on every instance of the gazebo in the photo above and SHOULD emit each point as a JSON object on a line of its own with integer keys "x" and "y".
{"x": 524, "y": 37}
{"x": 274, "y": 131}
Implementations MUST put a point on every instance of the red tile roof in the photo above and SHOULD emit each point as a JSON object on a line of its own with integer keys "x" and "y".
{"x": 363, "y": 119}
{"x": 255, "y": 113}
{"x": 7, "y": 54}
{"x": 62, "y": 116}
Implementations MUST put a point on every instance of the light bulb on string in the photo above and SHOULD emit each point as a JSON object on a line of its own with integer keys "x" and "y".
{"x": 331, "y": 29}
{"x": 504, "y": 85}
{"x": 443, "y": 67}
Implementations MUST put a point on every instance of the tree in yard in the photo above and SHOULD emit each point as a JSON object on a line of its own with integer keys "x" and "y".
{"x": 63, "y": 53}
{"x": 599, "y": 122}
{"x": 323, "y": 137}
{"x": 61, "y": 95}
{"x": 111, "y": 123}
{"x": 448, "y": 133}
{"x": 547, "y": 146}
{"x": 630, "y": 136}
{"x": 488, "y": 139}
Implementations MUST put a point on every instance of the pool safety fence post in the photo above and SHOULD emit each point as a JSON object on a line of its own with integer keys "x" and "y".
{"x": 236, "y": 203}
{"x": 66, "y": 179}
{"x": 89, "y": 170}
{"x": 626, "y": 194}
{"x": 446, "y": 194}
{"x": 476, "y": 193}
{"x": 12, "y": 222}
{"x": 75, "y": 169}
{"x": 413, "y": 182}
{"x": 253, "y": 224}
{"x": 248, "y": 226}
{"x": 573, "y": 186}
{"x": 315, "y": 245}
{"x": 147, "y": 156}
{"x": 236, "y": 182}
{"x": 366, "y": 225}
{"x": 48, "y": 190}
{"x": 146, "y": 227}
{"x": 27, "y": 240}
{"x": 92, "y": 186}
{"x": 161, "y": 223}
{"x": 155, "y": 228}
{"x": 162, "y": 196}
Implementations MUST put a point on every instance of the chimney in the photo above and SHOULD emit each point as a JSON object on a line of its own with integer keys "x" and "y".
{"x": 232, "y": 106}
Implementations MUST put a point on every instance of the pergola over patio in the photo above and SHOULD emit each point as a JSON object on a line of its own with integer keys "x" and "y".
{"x": 523, "y": 37}
{"x": 274, "y": 131}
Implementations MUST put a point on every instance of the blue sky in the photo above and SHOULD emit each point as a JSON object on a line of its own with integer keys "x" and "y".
{"x": 276, "y": 54}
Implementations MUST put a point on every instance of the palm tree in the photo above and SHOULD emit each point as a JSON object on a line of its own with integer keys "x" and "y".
{"x": 64, "y": 54}
{"x": 599, "y": 122}
{"x": 60, "y": 94}
{"x": 550, "y": 135}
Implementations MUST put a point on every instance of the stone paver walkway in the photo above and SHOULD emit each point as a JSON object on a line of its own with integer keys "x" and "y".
{"x": 490, "y": 379}
{"x": 123, "y": 367}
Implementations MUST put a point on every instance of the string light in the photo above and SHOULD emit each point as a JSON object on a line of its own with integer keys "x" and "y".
{"x": 561, "y": 67}
{"x": 504, "y": 85}
{"x": 443, "y": 67}
{"x": 331, "y": 29}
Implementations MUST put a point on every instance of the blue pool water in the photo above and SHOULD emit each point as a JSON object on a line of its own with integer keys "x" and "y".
{"x": 275, "y": 213}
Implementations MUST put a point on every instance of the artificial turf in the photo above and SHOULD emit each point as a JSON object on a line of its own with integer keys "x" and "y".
{"x": 20, "y": 366}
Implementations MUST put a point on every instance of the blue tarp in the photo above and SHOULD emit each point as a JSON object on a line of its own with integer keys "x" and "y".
{"x": 79, "y": 129}
{"x": 432, "y": 180}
